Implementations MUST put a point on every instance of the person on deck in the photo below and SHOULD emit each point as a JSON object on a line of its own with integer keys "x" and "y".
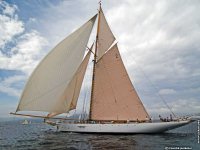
{"x": 171, "y": 119}
{"x": 161, "y": 119}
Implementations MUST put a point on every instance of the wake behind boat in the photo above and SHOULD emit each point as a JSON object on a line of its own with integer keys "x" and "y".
{"x": 115, "y": 106}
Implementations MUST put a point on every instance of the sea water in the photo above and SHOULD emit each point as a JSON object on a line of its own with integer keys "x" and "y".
{"x": 37, "y": 135}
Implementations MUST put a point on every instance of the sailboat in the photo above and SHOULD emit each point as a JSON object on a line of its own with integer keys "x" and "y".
{"x": 25, "y": 122}
{"x": 115, "y": 107}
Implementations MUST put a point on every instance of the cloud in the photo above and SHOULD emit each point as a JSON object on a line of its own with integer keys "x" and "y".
{"x": 157, "y": 36}
{"x": 7, "y": 85}
{"x": 8, "y": 10}
{"x": 26, "y": 47}
{"x": 65, "y": 20}
{"x": 186, "y": 105}
{"x": 20, "y": 49}
{"x": 179, "y": 107}
{"x": 10, "y": 25}
{"x": 26, "y": 54}
{"x": 159, "y": 44}
{"x": 167, "y": 91}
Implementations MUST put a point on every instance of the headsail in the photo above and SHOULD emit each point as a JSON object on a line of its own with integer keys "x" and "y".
{"x": 72, "y": 90}
{"x": 114, "y": 97}
{"x": 78, "y": 79}
{"x": 47, "y": 84}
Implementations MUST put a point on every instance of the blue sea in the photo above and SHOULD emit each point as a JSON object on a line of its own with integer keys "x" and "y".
{"x": 37, "y": 135}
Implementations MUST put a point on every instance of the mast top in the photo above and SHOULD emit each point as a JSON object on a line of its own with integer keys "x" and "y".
{"x": 100, "y": 3}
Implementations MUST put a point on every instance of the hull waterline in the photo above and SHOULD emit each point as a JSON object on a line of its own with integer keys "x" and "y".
{"x": 155, "y": 127}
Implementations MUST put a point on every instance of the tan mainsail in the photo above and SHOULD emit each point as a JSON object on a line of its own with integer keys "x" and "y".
{"x": 105, "y": 35}
{"x": 45, "y": 90}
{"x": 72, "y": 91}
{"x": 114, "y": 97}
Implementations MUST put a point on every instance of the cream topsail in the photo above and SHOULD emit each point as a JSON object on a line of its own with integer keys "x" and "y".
{"x": 46, "y": 88}
{"x": 105, "y": 35}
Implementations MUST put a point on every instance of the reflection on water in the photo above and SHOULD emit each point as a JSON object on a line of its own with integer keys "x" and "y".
{"x": 13, "y": 135}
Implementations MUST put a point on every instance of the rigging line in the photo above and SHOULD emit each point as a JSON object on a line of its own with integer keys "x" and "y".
{"x": 90, "y": 49}
{"x": 86, "y": 91}
{"x": 74, "y": 113}
{"x": 90, "y": 70}
{"x": 154, "y": 86}
{"x": 84, "y": 86}
{"x": 82, "y": 118}
{"x": 161, "y": 97}
{"x": 84, "y": 101}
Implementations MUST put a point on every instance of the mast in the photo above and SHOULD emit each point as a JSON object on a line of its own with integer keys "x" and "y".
{"x": 94, "y": 61}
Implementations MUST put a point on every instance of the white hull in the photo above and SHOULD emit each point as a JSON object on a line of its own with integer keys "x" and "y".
{"x": 156, "y": 127}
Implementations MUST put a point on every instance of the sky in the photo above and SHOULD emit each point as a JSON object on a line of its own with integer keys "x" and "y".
{"x": 158, "y": 41}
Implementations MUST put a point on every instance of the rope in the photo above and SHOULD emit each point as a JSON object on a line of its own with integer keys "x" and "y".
{"x": 85, "y": 101}
{"x": 89, "y": 80}
{"x": 154, "y": 86}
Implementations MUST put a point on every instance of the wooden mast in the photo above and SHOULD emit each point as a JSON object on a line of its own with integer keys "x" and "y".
{"x": 95, "y": 60}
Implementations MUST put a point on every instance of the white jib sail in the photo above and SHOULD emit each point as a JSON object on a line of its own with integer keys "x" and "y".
{"x": 72, "y": 90}
{"x": 48, "y": 82}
